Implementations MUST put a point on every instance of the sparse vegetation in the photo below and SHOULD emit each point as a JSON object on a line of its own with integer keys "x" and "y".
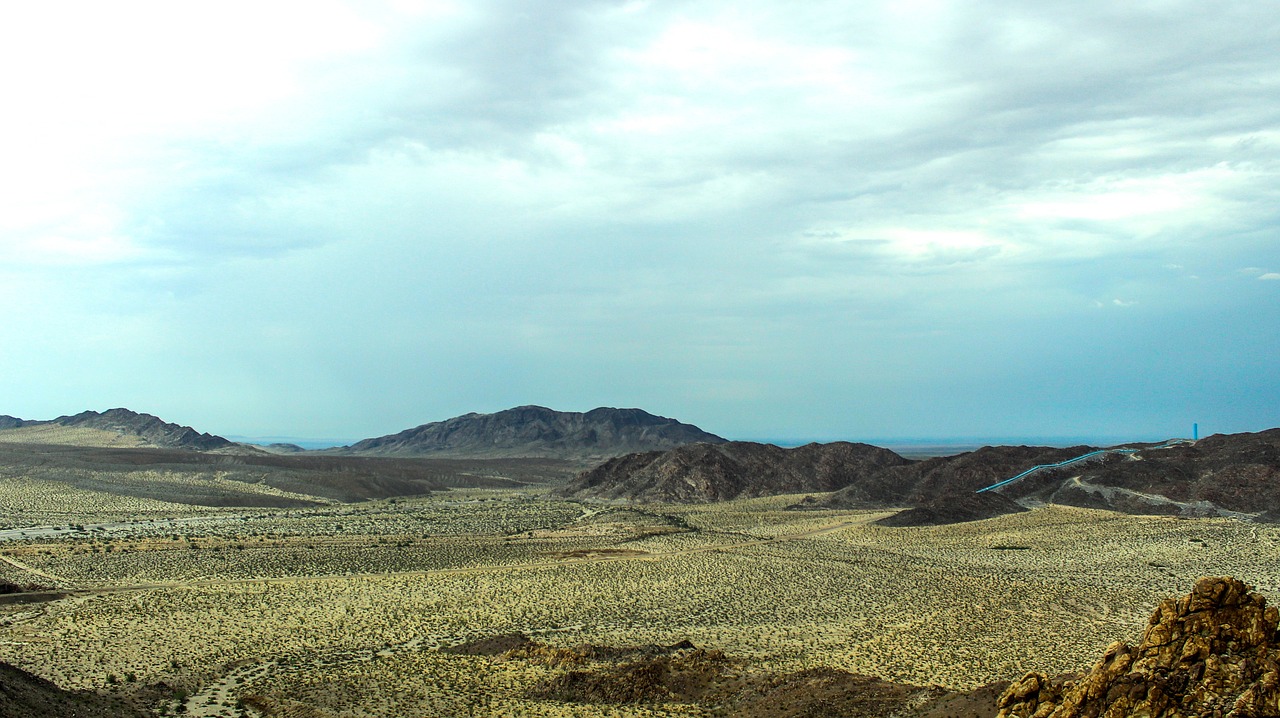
{"x": 342, "y": 607}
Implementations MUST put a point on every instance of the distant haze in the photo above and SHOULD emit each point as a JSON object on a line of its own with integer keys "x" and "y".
{"x": 821, "y": 220}
{"x": 305, "y": 443}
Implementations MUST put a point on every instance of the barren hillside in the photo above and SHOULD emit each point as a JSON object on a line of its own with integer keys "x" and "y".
{"x": 535, "y": 431}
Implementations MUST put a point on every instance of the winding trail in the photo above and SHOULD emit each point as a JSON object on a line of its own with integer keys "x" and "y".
{"x": 29, "y": 569}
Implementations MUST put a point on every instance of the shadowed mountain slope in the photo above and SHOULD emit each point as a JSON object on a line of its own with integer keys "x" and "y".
{"x": 23, "y": 695}
{"x": 535, "y": 431}
{"x": 954, "y": 509}
{"x": 12, "y": 422}
{"x": 699, "y": 473}
{"x": 922, "y": 483}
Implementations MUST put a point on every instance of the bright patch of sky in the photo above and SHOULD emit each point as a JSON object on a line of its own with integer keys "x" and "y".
{"x": 824, "y": 220}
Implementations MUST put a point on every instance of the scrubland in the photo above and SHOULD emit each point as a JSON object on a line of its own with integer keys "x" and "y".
{"x": 75, "y": 435}
{"x": 342, "y": 608}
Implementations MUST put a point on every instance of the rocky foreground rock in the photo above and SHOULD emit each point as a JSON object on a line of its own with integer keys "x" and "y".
{"x": 1213, "y": 653}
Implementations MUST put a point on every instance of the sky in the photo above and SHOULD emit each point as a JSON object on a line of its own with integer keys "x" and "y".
{"x": 775, "y": 220}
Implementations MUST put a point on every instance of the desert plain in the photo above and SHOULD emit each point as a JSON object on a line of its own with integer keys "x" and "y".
{"x": 348, "y": 609}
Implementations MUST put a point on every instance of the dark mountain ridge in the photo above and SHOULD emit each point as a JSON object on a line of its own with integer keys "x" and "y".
{"x": 701, "y": 473}
{"x": 1222, "y": 475}
{"x": 13, "y": 422}
{"x": 152, "y": 429}
{"x": 917, "y": 483}
{"x": 536, "y": 431}
{"x": 1217, "y": 475}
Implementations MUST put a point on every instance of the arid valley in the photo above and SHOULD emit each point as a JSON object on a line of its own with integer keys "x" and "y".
{"x": 493, "y": 595}
{"x": 625, "y": 358}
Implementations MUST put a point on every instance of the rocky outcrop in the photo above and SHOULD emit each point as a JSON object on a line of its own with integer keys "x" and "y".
{"x": 1214, "y": 652}
{"x": 700, "y": 473}
{"x": 536, "y": 431}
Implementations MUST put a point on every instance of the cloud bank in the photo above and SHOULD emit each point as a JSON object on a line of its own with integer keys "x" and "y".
{"x": 926, "y": 219}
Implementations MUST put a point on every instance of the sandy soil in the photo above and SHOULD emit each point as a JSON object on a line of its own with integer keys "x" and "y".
{"x": 286, "y": 608}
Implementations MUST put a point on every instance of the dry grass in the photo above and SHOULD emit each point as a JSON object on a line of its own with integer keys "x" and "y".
{"x": 28, "y": 502}
{"x": 71, "y": 435}
{"x": 959, "y": 605}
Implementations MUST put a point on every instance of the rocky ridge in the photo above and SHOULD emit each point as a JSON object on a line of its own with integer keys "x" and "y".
{"x": 701, "y": 473}
{"x": 944, "y": 478}
{"x": 1229, "y": 475}
{"x": 154, "y": 430}
{"x": 1214, "y": 652}
{"x": 1220, "y": 475}
{"x": 151, "y": 430}
{"x": 13, "y": 422}
{"x": 538, "y": 432}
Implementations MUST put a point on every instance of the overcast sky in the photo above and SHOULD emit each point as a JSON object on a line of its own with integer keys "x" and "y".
{"x": 819, "y": 220}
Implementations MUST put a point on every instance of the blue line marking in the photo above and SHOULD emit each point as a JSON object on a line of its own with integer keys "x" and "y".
{"x": 1082, "y": 457}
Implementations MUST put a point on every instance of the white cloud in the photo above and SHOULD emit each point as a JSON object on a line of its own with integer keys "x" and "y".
{"x": 1271, "y": 276}
{"x": 758, "y": 181}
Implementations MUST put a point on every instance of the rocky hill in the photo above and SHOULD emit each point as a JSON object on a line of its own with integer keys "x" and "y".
{"x": 536, "y": 431}
{"x": 112, "y": 427}
{"x": 1221, "y": 475}
{"x": 698, "y": 473}
{"x": 922, "y": 483}
{"x": 12, "y": 422}
{"x": 858, "y": 475}
{"x": 152, "y": 429}
{"x": 1214, "y": 652}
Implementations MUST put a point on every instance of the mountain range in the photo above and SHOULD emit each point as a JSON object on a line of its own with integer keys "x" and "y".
{"x": 522, "y": 432}
{"x": 112, "y": 427}
{"x": 632, "y": 456}
{"x": 1222, "y": 475}
{"x": 536, "y": 431}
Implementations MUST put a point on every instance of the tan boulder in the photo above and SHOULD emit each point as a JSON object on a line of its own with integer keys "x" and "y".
{"x": 1213, "y": 652}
